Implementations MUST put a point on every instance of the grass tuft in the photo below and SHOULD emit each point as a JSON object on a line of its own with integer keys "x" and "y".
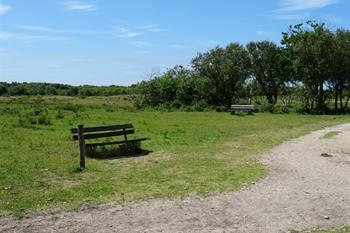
{"x": 330, "y": 134}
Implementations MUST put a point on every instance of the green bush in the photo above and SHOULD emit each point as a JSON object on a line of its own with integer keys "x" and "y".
{"x": 37, "y": 116}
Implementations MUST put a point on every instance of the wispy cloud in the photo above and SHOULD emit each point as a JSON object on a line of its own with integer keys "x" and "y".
{"x": 4, "y": 9}
{"x": 78, "y": 6}
{"x": 262, "y": 33}
{"x": 302, "y": 5}
{"x": 178, "y": 46}
{"x": 298, "y": 9}
{"x": 54, "y": 33}
{"x": 39, "y": 28}
{"x": 124, "y": 32}
{"x": 4, "y": 36}
{"x": 36, "y": 28}
{"x": 150, "y": 28}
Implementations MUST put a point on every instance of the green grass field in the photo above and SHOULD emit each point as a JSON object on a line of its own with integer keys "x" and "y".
{"x": 191, "y": 152}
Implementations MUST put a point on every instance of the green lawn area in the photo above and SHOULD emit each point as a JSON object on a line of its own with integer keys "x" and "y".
{"x": 192, "y": 152}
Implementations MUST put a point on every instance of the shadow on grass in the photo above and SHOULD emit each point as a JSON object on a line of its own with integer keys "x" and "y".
{"x": 242, "y": 114}
{"x": 116, "y": 152}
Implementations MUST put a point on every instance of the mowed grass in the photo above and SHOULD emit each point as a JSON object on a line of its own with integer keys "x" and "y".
{"x": 192, "y": 153}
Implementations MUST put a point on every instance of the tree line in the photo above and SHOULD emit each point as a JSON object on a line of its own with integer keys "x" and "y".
{"x": 18, "y": 89}
{"x": 309, "y": 69}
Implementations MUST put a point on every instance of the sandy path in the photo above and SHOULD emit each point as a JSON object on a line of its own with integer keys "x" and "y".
{"x": 300, "y": 191}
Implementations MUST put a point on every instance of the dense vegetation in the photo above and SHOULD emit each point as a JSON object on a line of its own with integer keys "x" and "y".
{"x": 19, "y": 89}
{"x": 200, "y": 153}
{"x": 311, "y": 67}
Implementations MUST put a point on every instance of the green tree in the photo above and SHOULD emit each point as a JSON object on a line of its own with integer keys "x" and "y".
{"x": 310, "y": 47}
{"x": 226, "y": 69}
{"x": 267, "y": 68}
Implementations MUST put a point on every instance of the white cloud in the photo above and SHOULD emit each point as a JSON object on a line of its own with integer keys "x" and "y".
{"x": 178, "y": 46}
{"x": 38, "y": 28}
{"x": 262, "y": 33}
{"x": 298, "y": 9}
{"x": 121, "y": 32}
{"x": 150, "y": 28}
{"x": 78, "y": 6}
{"x": 5, "y": 36}
{"x": 30, "y": 38}
{"x": 4, "y": 9}
{"x": 127, "y": 33}
{"x": 301, "y": 5}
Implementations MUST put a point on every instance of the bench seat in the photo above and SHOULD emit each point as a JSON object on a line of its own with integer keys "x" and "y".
{"x": 117, "y": 142}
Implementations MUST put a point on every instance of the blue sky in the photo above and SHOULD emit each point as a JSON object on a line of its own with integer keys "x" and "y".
{"x": 121, "y": 42}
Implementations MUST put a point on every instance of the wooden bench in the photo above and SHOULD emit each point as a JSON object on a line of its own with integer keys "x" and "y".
{"x": 235, "y": 108}
{"x": 81, "y": 134}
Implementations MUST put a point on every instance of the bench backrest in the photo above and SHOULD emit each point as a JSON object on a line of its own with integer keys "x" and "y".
{"x": 242, "y": 107}
{"x": 104, "y": 131}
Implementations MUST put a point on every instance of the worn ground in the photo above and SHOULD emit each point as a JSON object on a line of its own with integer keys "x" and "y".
{"x": 303, "y": 190}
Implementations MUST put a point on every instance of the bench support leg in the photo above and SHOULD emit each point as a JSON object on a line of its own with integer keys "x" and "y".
{"x": 81, "y": 145}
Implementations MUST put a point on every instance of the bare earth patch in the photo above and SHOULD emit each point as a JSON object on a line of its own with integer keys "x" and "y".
{"x": 303, "y": 190}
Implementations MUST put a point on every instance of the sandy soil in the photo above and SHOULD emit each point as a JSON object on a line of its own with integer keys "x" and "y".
{"x": 303, "y": 190}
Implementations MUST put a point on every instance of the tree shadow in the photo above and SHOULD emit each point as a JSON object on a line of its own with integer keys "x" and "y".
{"x": 116, "y": 152}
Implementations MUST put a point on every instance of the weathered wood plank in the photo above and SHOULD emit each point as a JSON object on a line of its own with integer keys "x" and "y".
{"x": 118, "y": 142}
{"x": 105, "y": 134}
{"x": 81, "y": 139}
{"x": 103, "y": 128}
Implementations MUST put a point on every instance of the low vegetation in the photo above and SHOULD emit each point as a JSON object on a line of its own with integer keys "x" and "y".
{"x": 330, "y": 134}
{"x": 199, "y": 153}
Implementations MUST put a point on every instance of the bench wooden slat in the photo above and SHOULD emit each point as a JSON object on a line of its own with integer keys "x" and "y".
{"x": 103, "y": 128}
{"x": 105, "y": 134}
{"x": 114, "y": 143}
{"x": 241, "y": 107}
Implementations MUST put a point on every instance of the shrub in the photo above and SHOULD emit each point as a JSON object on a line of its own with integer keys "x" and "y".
{"x": 37, "y": 117}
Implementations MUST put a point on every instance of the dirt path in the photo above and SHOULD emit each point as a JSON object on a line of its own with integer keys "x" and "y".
{"x": 301, "y": 190}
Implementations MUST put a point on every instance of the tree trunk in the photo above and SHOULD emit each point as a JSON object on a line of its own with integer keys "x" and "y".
{"x": 336, "y": 99}
{"x": 320, "y": 99}
{"x": 341, "y": 97}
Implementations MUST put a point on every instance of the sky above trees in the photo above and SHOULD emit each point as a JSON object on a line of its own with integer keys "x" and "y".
{"x": 121, "y": 42}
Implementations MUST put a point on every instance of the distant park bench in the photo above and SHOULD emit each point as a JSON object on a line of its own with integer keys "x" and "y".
{"x": 81, "y": 134}
{"x": 239, "y": 108}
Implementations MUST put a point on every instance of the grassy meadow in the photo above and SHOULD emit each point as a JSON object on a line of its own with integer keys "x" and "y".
{"x": 199, "y": 153}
